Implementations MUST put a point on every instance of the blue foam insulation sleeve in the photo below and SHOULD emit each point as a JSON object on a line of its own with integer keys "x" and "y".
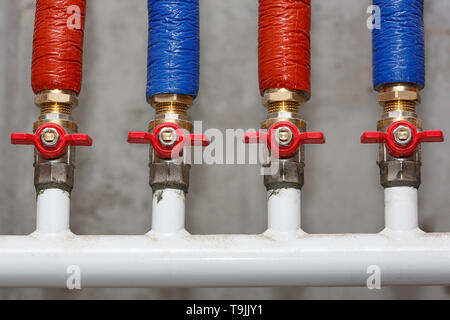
{"x": 398, "y": 45}
{"x": 173, "y": 47}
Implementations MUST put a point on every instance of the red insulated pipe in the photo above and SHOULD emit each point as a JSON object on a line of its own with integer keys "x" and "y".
{"x": 58, "y": 45}
{"x": 284, "y": 44}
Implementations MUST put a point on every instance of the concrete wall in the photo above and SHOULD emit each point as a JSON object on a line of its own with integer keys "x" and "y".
{"x": 342, "y": 193}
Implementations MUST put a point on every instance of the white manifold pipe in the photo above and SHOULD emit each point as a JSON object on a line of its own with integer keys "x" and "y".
{"x": 283, "y": 256}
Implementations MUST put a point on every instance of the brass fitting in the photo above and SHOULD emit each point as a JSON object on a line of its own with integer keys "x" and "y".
{"x": 283, "y": 100}
{"x": 55, "y": 97}
{"x": 171, "y": 103}
{"x": 399, "y": 105}
{"x": 284, "y": 105}
{"x": 55, "y": 107}
{"x": 171, "y": 108}
{"x": 399, "y": 97}
{"x": 399, "y": 102}
{"x": 171, "y": 97}
{"x": 399, "y": 91}
{"x": 168, "y": 173}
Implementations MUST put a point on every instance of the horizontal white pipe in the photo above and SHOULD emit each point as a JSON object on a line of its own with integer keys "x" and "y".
{"x": 224, "y": 260}
{"x": 168, "y": 211}
{"x": 169, "y": 257}
{"x": 283, "y": 207}
{"x": 53, "y": 211}
{"x": 401, "y": 208}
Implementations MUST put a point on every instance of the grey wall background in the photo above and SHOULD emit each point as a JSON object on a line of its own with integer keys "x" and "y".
{"x": 342, "y": 193}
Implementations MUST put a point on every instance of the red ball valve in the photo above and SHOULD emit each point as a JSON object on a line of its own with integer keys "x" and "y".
{"x": 51, "y": 140}
{"x": 168, "y": 139}
{"x": 283, "y": 138}
{"x": 402, "y": 138}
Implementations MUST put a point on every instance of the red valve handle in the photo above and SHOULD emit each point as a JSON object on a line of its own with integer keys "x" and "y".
{"x": 170, "y": 151}
{"x": 57, "y": 150}
{"x": 284, "y": 151}
{"x": 396, "y": 149}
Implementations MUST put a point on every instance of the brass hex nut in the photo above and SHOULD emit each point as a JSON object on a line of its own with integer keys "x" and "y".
{"x": 167, "y": 174}
{"x": 399, "y": 95}
{"x": 56, "y": 96}
{"x": 169, "y": 97}
{"x": 276, "y": 95}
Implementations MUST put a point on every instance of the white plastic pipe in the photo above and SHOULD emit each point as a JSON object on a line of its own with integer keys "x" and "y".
{"x": 168, "y": 211}
{"x": 401, "y": 208}
{"x": 51, "y": 257}
{"x": 53, "y": 211}
{"x": 284, "y": 207}
{"x": 224, "y": 261}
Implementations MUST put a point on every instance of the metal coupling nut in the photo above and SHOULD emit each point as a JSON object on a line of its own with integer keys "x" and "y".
{"x": 56, "y": 96}
{"x": 398, "y": 96}
{"x": 171, "y": 98}
{"x": 278, "y": 95}
{"x": 167, "y": 174}
{"x": 400, "y": 173}
{"x": 55, "y": 173}
{"x": 290, "y": 174}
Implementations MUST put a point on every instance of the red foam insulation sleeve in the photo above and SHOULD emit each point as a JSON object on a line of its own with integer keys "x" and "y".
{"x": 284, "y": 44}
{"x": 58, "y": 45}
